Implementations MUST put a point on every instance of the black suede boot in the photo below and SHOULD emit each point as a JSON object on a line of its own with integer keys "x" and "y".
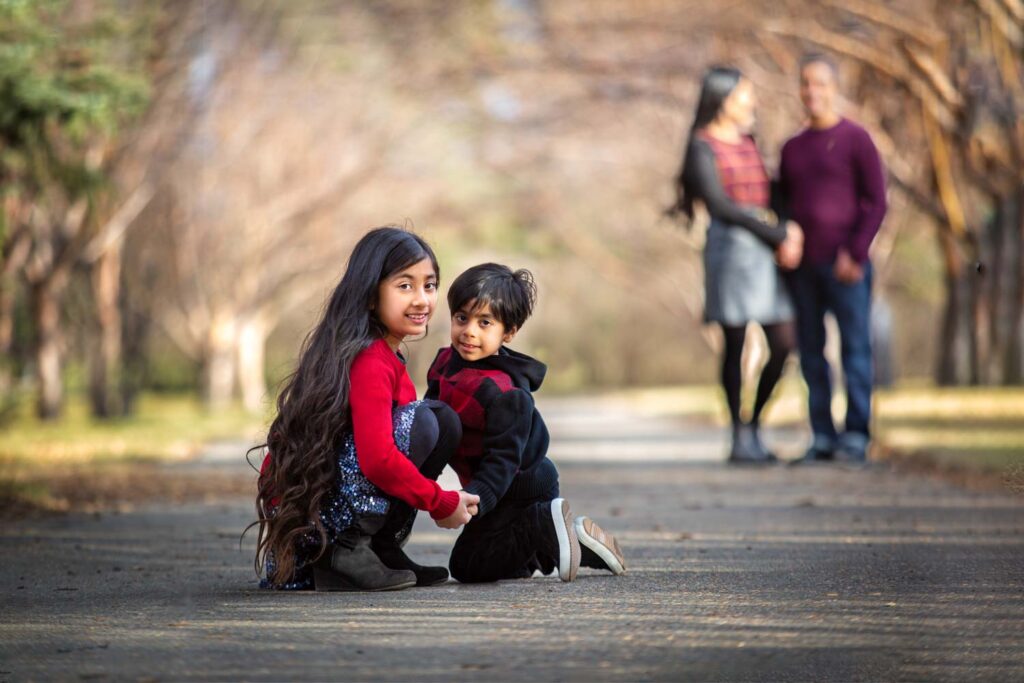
{"x": 395, "y": 558}
{"x": 388, "y": 542}
{"x": 746, "y": 449}
{"x": 353, "y": 566}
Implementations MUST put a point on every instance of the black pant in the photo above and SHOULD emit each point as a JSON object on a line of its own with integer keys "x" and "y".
{"x": 510, "y": 542}
{"x": 436, "y": 433}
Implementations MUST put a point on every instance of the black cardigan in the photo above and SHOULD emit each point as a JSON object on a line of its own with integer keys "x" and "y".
{"x": 505, "y": 452}
{"x": 701, "y": 176}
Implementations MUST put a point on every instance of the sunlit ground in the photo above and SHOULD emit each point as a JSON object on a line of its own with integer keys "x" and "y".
{"x": 977, "y": 428}
{"x": 165, "y": 427}
{"x": 83, "y": 463}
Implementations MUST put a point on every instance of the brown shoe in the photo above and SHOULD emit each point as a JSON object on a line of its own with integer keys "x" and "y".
{"x": 602, "y": 544}
{"x": 568, "y": 543}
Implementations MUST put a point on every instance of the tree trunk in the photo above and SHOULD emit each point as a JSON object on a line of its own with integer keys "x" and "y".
{"x": 996, "y": 263}
{"x": 46, "y": 316}
{"x": 105, "y": 375}
{"x": 219, "y": 361}
{"x": 881, "y": 342}
{"x": 252, "y": 344}
{"x": 976, "y": 330}
{"x": 1014, "y": 366}
{"x": 15, "y": 253}
{"x": 6, "y": 339}
{"x": 134, "y": 334}
{"x": 953, "y": 352}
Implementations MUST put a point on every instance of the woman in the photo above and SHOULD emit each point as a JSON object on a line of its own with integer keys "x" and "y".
{"x": 746, "y": 244}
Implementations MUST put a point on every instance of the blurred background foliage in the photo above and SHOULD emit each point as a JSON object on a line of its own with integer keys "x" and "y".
{"x": 182, "y": 180}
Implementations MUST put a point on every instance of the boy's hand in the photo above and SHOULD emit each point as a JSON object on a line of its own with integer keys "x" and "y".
{"x": 467, "y": 508}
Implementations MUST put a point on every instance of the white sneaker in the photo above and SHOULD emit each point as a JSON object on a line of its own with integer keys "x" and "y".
{"x": 568, "y": 543}
{"x": 602, "y": 543}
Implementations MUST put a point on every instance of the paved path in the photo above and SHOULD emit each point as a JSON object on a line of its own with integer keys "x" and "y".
{"x": 734, "y": 574}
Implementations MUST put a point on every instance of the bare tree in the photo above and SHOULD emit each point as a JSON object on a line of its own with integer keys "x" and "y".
{"x": 279, "y": 149}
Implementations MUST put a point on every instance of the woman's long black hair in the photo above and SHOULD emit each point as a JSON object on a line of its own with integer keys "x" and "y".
{"x": 717, "y": 85}
{"x": 313, "y": 407}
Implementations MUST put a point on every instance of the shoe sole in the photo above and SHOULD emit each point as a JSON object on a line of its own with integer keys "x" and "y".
{"x": 606, "y": 554}
{"x": 852, "y": 465}
{"x": 331, "y": 582}
{"x": 432, "y": 583}
{"x": 800, "y": 462}
{"x": 750, "y": 463}
{"x": 568, "y": 542}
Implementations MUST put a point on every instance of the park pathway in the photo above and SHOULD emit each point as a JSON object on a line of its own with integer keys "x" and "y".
{"x": 734, "y": 574}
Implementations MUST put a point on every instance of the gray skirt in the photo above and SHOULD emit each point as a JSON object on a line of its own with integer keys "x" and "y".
{"x": 742, "y": 283}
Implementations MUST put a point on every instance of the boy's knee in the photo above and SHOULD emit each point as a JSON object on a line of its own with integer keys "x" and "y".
{"x": 460, "y": 567}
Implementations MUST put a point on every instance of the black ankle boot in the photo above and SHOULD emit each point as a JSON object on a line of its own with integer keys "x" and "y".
{"x": 768, "y": 455}
{"x": 353, "y": 566}
{"x": 395, "y": 558}
{"x": 746, "y": 448}
{"x": 388, "y": 542}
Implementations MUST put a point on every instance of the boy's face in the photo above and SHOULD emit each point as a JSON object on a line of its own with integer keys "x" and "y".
{"x": 477, "y": 333}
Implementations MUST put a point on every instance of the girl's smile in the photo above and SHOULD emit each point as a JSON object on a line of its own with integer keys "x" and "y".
{"x": 406, "y": 300}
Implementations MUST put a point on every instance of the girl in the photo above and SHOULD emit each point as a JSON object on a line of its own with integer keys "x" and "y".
{"x": 722, "y": 168}
{"x": 351, "y": 454}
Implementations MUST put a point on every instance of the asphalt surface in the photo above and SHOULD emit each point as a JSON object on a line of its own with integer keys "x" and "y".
{"x": 742, "y": 574}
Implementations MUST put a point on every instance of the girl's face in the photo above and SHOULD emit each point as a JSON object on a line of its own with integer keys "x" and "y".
{"x": 739, "y": 107}
{"x": 406, "y": 300}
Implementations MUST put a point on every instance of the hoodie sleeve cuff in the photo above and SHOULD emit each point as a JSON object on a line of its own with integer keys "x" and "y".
{"x": 487, "y": 498}
{"x": 449, "y": 501}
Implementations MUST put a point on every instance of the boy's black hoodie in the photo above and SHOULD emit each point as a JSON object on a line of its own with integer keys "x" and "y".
{"x": 505, "y": 442}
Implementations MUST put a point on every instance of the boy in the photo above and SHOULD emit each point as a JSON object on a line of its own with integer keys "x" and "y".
{"x": 522, "y": 524}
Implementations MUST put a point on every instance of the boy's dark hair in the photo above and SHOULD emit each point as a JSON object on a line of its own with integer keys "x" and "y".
{"x": 510, "y": 295}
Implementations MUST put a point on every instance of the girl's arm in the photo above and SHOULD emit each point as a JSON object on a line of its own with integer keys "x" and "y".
{"x": 703, "y": 174}
{"x": 370, "y": 400}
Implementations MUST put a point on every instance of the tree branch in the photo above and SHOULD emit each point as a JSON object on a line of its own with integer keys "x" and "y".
{"x": 883, "y": 16}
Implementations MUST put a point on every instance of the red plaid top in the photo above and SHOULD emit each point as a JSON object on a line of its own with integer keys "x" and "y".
{"x": 741, "y": 171}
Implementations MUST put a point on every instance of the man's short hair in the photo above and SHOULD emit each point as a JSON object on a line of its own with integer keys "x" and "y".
{"x": 819, "y": 58}
{"x": 510, "y": 295}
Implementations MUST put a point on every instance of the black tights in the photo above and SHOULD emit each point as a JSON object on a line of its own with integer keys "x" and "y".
{"x": 435, "y": 435}
{"x": 781, "y": 341}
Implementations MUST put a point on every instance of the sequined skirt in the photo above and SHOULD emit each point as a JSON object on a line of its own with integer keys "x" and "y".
{"x": 352, "y": 497}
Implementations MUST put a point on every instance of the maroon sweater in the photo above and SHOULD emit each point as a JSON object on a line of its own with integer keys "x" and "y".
{"x": 834, "y": 187}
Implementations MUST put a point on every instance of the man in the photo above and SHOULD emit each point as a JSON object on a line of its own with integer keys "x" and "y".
{"x": 832, "y": 179}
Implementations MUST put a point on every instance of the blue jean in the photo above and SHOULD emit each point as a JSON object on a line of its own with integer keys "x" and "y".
{"x": 816, "y": 291}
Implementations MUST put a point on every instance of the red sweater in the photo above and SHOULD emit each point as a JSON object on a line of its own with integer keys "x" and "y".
{"x": 378, "y": 383}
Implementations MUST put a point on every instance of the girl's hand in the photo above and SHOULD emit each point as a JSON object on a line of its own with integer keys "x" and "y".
{"x": 467, "y": 508}
{"x": 791, "y": 251}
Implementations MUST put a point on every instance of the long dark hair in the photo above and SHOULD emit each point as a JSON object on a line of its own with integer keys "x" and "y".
{"x": 717, "y": 85}
{"x": 312, "y": 408}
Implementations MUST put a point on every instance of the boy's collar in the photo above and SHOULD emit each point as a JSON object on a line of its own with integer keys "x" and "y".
{"x": 526, "y": 372}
